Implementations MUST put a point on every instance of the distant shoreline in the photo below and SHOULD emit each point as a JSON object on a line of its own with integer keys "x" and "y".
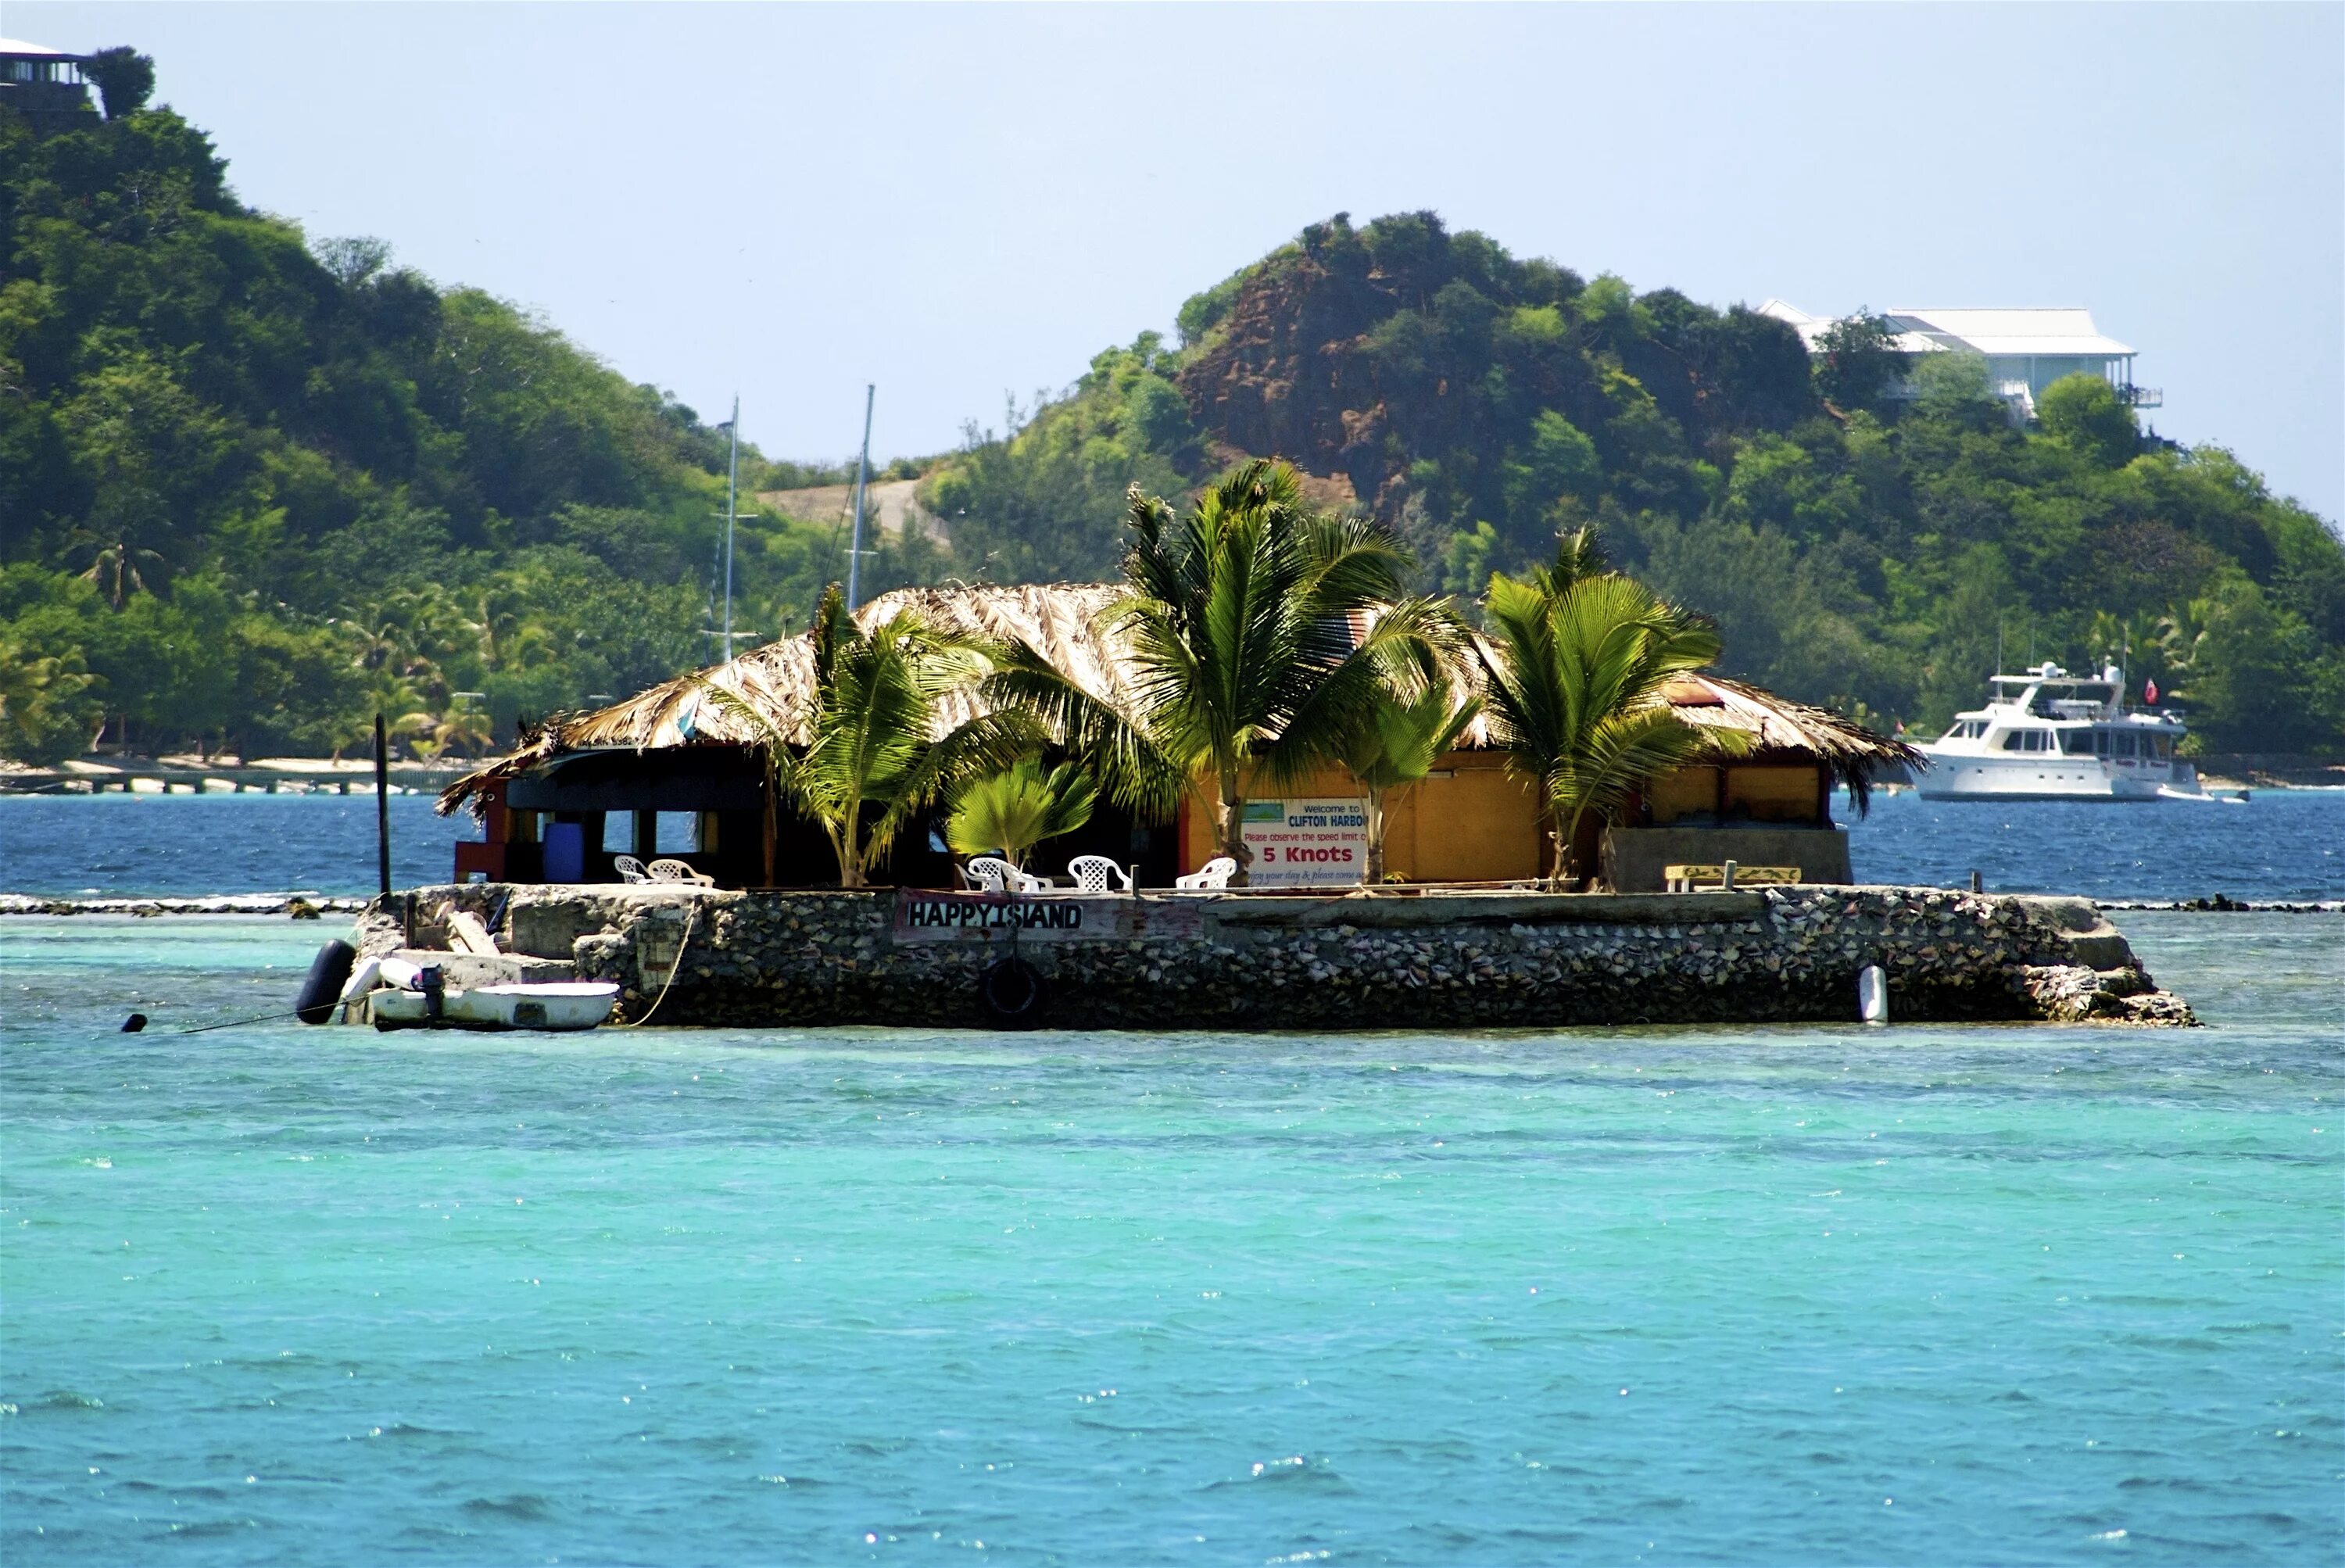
{"x": 316, "y": 904}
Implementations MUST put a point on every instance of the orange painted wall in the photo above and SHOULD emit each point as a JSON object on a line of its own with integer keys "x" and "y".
{"x": 1476, "y": 825}
{"x": 1688, "y": 789}
{"x": 1772, "y": 794}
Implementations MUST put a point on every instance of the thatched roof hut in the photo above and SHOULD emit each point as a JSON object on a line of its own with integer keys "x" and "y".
{"x": 1061, "y": 621}
{"x": 1068, "y": 624}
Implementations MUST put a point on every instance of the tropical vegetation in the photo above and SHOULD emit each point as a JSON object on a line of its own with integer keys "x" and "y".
{"x": 871, "y": 760}
{"x": 1865, "y": 534}
{"x": 1243, "y": 619}
{"x": 1576, "y": 673}
{"x": 1268, "y": 640}
{"x": 1008, "y": 812}
{"x": 255, "y": 489}
{"x": 1394, "y": 748}
{"x": 256, "y": 486}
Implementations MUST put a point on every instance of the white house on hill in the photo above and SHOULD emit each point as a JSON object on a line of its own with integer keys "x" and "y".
{"x": 2027, "y": 350}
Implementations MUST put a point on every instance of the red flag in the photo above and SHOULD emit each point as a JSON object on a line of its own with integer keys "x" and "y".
{"x": 2149, "y": 692}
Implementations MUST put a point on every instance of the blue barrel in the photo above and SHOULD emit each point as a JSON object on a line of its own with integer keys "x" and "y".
{"x": 566, "y": 852}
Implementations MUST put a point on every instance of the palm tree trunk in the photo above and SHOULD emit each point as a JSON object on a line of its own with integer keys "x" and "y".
{"x": 1232, "y": 820}
{"x": 1376, "y": 814}
{"x": 1567, "y": 850}
{"x": 847, "y": 843}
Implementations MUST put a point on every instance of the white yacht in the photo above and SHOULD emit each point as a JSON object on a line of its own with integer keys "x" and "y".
{"x": 2047, "y": 735}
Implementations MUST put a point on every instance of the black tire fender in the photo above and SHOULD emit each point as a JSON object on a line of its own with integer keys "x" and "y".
{"x": 329, "y": 972}
{"x": 1012, "y": 992}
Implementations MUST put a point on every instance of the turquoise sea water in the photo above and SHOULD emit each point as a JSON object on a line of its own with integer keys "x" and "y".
{"x": 1775, "y": 1295}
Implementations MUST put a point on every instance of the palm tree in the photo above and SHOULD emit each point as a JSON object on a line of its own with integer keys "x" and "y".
{"x": 465, "y": 730}
{"x": 115, "y": 555}
{"x": 1574, "y": 673}
{"x": 419, "y": 731}
{"x": 1240, "y": 622}
{"x": 868, "y": 766}
{"x": 1396, "y": 749}
{"x": 1013, "y": 810}
{"x": 45, "y": 715}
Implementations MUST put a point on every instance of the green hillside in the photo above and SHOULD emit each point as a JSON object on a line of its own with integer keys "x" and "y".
{"x": 255, "y": 487}
{"x": 1856, "y": 551}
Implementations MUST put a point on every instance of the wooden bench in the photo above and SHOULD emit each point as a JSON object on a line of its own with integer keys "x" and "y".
{"x": 1685, "y": 879}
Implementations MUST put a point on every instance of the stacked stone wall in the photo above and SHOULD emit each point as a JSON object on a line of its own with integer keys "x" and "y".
{"x": 824, "y": 958}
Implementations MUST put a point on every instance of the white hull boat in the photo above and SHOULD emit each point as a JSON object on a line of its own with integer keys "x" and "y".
{"x": 394, "y": 1000}
{"x": 2047, "y": 734}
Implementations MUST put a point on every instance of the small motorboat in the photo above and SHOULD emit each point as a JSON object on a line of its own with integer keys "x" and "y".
{"x": 557, "y": 1005}
{"x": 2221, "y": 795}
{"x": 397, "y": 994}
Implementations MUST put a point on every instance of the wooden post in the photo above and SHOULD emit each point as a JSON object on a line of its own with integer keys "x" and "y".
{"x": 770, "y": 829}
{"x": 383, "y": 802}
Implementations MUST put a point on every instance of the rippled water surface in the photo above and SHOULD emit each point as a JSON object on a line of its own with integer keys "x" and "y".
{"x": 1779, "y": 1296}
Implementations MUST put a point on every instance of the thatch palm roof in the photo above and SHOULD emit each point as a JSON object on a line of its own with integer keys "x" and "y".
{"x": 1068, "y": 624}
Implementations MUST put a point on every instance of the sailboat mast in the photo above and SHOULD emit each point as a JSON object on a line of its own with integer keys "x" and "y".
{"x": 862, "y": 476}
{"x": 732, "y": 506}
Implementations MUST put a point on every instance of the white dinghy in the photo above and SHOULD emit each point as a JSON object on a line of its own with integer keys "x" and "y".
{"x": 401, "y": 995}
{"x": 559, "y": 1005}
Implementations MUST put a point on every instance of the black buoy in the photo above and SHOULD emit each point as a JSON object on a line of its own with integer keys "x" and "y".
{"x": 329, "y": 972}
{"x": 1013, "y": 990}
{"x": 134, "y": 1023}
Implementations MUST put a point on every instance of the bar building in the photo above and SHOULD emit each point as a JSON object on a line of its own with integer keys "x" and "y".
{"x": 670, "y": 771}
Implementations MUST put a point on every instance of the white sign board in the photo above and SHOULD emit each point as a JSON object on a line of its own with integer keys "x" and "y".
{"x": 1307, "y": 843}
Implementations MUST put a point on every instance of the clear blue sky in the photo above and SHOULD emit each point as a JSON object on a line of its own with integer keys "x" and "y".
{"x": 959, "y": 201}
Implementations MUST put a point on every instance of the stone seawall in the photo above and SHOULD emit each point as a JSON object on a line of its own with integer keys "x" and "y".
{"x": 1267, "y": 961}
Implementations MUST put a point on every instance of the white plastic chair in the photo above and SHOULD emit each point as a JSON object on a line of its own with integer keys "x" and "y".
{"x": 993, "y": 874}
{"x": 671, "y": 870}
{"x": 1098, "y": 874}
{"x": 1214, "y": 873}
{"x": 629, "y": 868}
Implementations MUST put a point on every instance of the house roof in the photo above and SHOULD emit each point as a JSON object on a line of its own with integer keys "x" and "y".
{"x": 1070, "y": 625}
{"x": 2035, "y": 330}
{"x": 2051, "y": 329}
{"x": 38, "y": 51}
{"x": 1811, "y": 328}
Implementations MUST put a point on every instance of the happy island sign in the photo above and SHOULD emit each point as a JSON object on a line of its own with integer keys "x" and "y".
{"x": 922, "y": 916}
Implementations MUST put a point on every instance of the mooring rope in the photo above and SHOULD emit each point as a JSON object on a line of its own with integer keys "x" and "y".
{"x": 690, "y": 915}
{"x": 265, "y": 1018}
